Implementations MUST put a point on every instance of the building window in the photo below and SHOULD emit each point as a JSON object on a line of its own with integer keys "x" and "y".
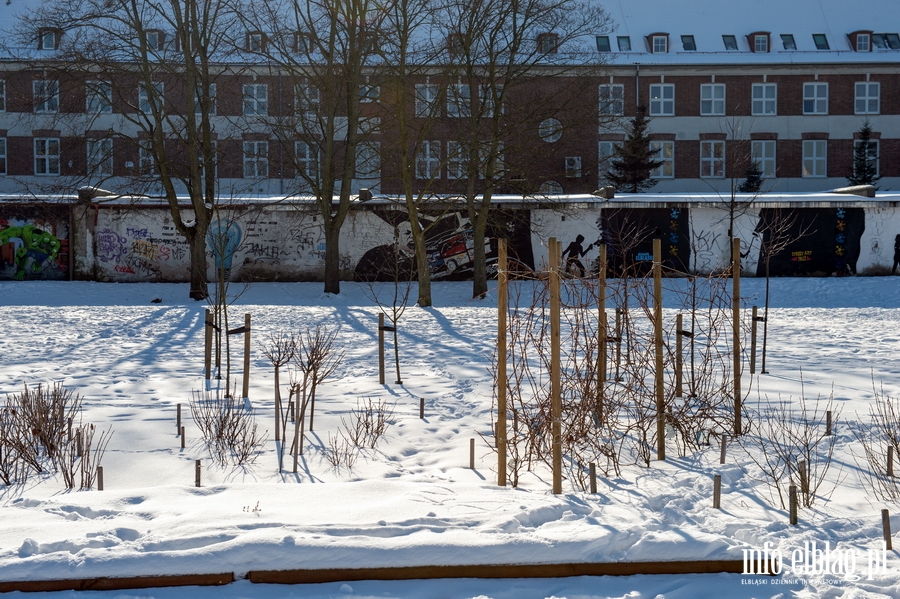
{"x": 712, "y": 159}
{"x": 815, "y": 154}
{"x": 820, "y": 41}
{"x": 863, "y": 42}
{"x": 457, "y": 160}
{"x": 256, "y": 41}
{"x": 99, "y": 158}
{"x": 490, "y": 98}
{"x": 2, "y": 95}
{"x": 762, "y": 152}
{"x": 256, "y": 159}
{"x": 198, "y": 100}
{"x": 884, "y": 41}
{"x": 428, "y": 160}
{"x": 306, "y": 160}
{"x": 368, "y": 160}
{"x": 662, "y": 99}
{"x": 606, "y": 151}
{"x": 548, "y": 43}
{"x": 687, "y": 42}
{"x": 612, "y": 100}
{"x": 730, "y": 42}
{"x": 660, "y": 44}
{"x": 712, "y": 99}
{"x": 868, "y": 98}
{"x": 99, "y": 97}
{"x": 603, "y": 43}
{"x": 256, "y": 99}
{"x": 146, "y": 158}
{"x": 665, "y": 152}
{"x": 369, "y": 92}
{"x": 624, "y": 42}
{"x": 426, "y": 99}
{"x": 46, "y": 156}
{"x": 2, "y": 155}
{"x": 765, "y": 99}
{"x": 48, "y": 39}
{"x": 815, "y": 98}
{"x": 301, "y": 42}
{"x": 550, "y": 130}
{"x": 154, "y": 39}
{"x": 760, "y": 43}
{"x": 306, "y": 100}
{"x": 787, "y": 40}
{"x": 871, "y": 154}
{"x": 46, "y": 96}
{"x": 148, "y": 99}
{"x": 459, "y": 100}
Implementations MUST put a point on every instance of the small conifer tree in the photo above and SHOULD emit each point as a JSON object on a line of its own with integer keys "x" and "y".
{"x": 633, "y": 162}
{"x": 753, "y": 181}
{"x": 865, "y": 169}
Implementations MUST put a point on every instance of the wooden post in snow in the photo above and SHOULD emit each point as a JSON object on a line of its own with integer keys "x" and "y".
{"x": 246, "y": 395}
{"x": 601, "y": 326}
{"x": 679, "y": 362}
{"x": 381, "y": 349}
{"x": 658, "y": 345}
{"x": 197, "y": 473}
{"x": 207, "y": 347}
{"x": 886, "y": 527}
{"x": 736, "y": 331}
{"x": 555, "y": 364}
{"x": 502, "y": 282}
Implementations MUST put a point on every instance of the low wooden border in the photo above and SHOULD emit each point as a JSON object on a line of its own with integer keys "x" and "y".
{"x": 495, "y": 571}
{"x": 117, "y": 584}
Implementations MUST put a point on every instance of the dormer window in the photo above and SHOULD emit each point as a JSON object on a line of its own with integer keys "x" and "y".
{"x": 730, "y": 42}
{"x": 886, "y": 41}
{"x": 301, "y": 42}
{"x": 603, "y": 43}
{"x": 659, "y": 43}
{"x": 821, "y": 41}
{"x": 256, "y": 41}
{"x": 456, "y": 44}
{"x": 624, "y": 42}
{"x": 787, "y": 40}
{"x": 687, "y": 42}
{"x": 154, "y": 39}
{"x": 759, "y": 42}
{"x": 548, "y": 43}
{"x": 48, "y": 39}
{"x": 861, "y": 41}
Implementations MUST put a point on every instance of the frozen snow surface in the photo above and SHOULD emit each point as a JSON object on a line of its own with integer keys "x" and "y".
{"x": 413, "y": 500}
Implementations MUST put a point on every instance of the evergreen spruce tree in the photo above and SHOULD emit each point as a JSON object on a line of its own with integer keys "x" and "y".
{"x": 631, "y": 166}
{"x": 753, "y": 181}
{"x": 865, "y": 169}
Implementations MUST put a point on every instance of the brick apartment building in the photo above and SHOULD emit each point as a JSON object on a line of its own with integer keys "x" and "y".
{"x": 787, "y": 85}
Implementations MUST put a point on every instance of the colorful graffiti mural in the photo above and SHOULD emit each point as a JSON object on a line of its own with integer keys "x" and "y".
{"x": 34, "y": 247}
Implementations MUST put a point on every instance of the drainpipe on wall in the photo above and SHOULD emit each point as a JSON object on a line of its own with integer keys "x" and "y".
{"x": 637, "y": 85}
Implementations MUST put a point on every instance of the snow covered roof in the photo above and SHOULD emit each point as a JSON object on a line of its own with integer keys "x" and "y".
{"x": 706, "y": 22}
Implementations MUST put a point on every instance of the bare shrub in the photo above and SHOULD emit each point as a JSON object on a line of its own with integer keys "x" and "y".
{"x": 340, "y": 452}
{"x": 79, "y": 456}
{"x": 881, "y": 433}
{"x": 786, "y": 432}
{"x": 227, "y": 426}
{"x": 368, "y": 423}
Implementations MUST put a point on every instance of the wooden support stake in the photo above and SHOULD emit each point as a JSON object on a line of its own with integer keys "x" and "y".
{"x": 70, "y": 429}
{"x": 177, "y": 417}
{"x": 555, "y": 368}
{"x": 619, "y": 334}
{"x": 502, "y": 306}
{"x": 890, "y": 461}
{"x": 828, "y": 423}
{"x": 602, "y": 350}
{"x": 381, "y": 349}
{"x": 99, "y": 478}
{"x": 471, "y": 454}
{"x": 658, "y": 343}
{"x": 753, "y": 321}
{"x": 724, "y": 445}
{"x": 717, "y": 491}
{"x": 804, "y": 482}
{"x": 886, "y": 525}
{"x": 197, "y": 473}
{"x": 79, "y": 446}
{"x": 182, "y": 437}
{"x": 736, "y": 332}
{"x": 792, "y": 502}
{"x": 291, "y": 410}
{"x": 246, "y": 357}
{"x": 679, "y": 390}
{"x": 421, "y": 408}
{"x": 207, "y": 346}
{"x": 592, "y": 471}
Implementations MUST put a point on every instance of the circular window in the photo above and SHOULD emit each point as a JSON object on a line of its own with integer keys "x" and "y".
{"x": 550, "y": 130}
{"x": 551, "y": 188}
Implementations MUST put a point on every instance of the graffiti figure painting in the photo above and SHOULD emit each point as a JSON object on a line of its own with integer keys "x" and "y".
{"x": 33, "y": 250}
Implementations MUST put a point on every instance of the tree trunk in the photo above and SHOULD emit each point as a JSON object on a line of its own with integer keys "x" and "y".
{"x": 423, "y": 273}
{"x": 332, "y": 257}
{"x": 479, "y": 274}
{"x": 197, "y": 244}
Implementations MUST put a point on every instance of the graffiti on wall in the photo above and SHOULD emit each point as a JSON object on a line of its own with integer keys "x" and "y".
{"x": 629, "y": 234}
{"x": 33, "y": 248}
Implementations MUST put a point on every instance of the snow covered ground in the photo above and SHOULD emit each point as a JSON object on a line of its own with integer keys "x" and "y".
{"x": 413, "y": 500}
